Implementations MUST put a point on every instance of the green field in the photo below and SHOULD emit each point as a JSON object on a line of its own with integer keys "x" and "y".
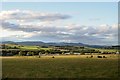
{"x": 60, "y": 67}
{"x": 33, "y": 48}
{"x": 26, "y": 47}
{"x": 29, "y": 47}
{"x": 107, "y": 50}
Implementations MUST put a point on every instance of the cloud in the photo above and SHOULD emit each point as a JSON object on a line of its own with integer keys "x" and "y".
{"x": 26, "y": 15}
{"x": 84, "y": 34}
{"x": 30, "y": 25}
{"x": 94, "y": 19}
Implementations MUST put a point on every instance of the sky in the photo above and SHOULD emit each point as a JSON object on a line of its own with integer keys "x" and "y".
{"x": 60, "y": 0}
{"x": 85, "y": 22}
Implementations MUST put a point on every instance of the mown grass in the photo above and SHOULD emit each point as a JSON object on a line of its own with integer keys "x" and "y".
{"x": 60, "y": 67}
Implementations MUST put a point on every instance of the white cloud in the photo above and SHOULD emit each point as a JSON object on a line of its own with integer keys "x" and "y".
{"x": 18, "y": 34}
{"x": 43, "y": 26}
{"x": 26, "y": 15}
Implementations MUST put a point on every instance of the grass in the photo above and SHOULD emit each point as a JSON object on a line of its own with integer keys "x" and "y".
{"x": 107, "y": 50}
{"x": 60, "y": 67}
{"x": 33, "y": 48}
{"x": 29, "y": 48}
{"x": 25, "y": 47}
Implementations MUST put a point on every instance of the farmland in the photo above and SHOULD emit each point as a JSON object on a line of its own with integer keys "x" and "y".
{"x": 53, "y": 49}
{"x": 35, "y": 61}
{"x": 62, "y": 66}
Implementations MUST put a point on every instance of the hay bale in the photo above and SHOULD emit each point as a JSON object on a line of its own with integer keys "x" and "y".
{"x": 53, "y": 57}
{"x": 91, "y": 56}
{"x": 104, "y": 57}
{"x": 99, "y": 56}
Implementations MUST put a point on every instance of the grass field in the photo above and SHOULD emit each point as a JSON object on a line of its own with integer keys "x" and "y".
{"x": 60, "y": 67}
{"x": 29, "y": 47}
{"x": 25, "y": 47}
{"x": 107, "y": 50}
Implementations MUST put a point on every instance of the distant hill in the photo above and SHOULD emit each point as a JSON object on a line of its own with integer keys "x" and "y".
{"x": 8, "y": 42}
{"x": 40, "y": 43}
{"x": 67, "y": 44}
{"x": 32, "y": 43}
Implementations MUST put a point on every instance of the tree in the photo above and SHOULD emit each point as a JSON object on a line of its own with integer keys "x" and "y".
{"x": 63, "y": 53}
{"x": 39, "y": 54}
{"x": 42, "y": 51}
{"x": 21, "y": 53}
{"x": 15, "y": 47}
{"x": 30, "y": 53}
{"x": 47, "y": 52}
{"x": 3, "y": 46}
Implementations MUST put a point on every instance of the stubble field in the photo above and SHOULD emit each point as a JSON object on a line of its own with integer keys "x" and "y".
{"x": 65, "y": 66}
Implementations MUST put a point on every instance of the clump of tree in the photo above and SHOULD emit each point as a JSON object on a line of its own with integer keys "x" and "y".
{"x": 29, "y": 53}
{"x": 82, "y": 53}
{"x": 22, "y": 53}
{"x": 44, "y": 46}
{"x": 4, "y": 46}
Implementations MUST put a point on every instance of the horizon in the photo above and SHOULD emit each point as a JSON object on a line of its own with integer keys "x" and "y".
{"x": 64, "y": 42}
{"x": 80, "y": 22}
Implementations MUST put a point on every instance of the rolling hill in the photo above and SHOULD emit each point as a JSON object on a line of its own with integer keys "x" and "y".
{"x": 40, "y": 43}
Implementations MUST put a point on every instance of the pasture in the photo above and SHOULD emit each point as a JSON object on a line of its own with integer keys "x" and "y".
{"x": 62, "y": 66}
{"x": 26, "y": 47}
